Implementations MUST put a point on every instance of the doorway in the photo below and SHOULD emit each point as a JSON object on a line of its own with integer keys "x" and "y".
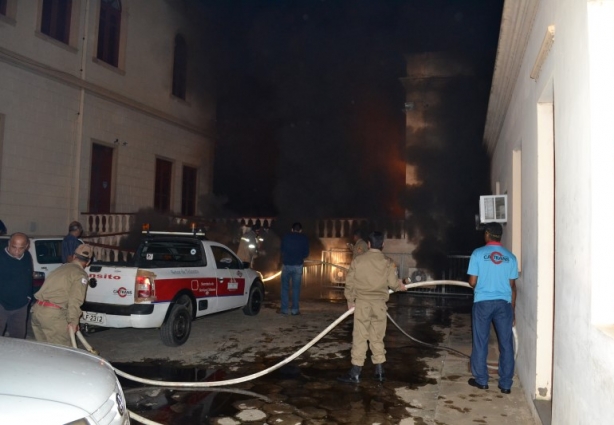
{"x": 101, "y": 179}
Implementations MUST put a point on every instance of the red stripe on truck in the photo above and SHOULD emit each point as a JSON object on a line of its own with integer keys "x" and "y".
{"x": 166, "y": 289}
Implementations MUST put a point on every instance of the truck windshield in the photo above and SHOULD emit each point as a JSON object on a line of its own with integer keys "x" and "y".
{"x": 174, "y": 253}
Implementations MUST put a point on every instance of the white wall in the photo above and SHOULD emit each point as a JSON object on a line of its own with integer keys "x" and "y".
{"x": 40, "y": 117}
{"x": 577, "y": 78}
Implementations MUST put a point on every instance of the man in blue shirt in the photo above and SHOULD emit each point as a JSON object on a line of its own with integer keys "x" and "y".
{"x": 294, "y": 249}
{"x": 71, "y": 241}
{"x": 492, "y": 273}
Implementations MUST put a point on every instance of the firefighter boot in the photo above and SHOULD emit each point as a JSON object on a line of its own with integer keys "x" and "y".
{"x": 352, "y": 377}
{"x": 379, "y": 372}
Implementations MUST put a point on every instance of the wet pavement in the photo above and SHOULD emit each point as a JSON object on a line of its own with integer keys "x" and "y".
{"x": 423, "y": 385}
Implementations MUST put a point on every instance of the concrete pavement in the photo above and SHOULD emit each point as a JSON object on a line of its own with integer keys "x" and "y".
{"x": 423, "y": 386}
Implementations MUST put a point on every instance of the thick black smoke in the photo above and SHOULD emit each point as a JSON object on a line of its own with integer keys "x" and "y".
{"x": 310, "y": 111}
{"x": 453, "y": 169}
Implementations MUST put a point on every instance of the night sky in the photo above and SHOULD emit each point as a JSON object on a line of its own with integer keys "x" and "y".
{"x": 310, "y": 119}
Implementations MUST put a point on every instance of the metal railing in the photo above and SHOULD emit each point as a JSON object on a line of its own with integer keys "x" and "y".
{"x": 101, "y": 223}
{"x": 332, "y": 271}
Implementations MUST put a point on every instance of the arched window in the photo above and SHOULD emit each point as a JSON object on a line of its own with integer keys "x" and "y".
{"x": 180, "y": 67}
{"x": 55, "y": 21}
{"x": 108, "y": 31}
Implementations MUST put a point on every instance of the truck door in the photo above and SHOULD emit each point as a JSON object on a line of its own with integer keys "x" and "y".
{"x": 181, "y": 265}
{"x": 230, "y": 278}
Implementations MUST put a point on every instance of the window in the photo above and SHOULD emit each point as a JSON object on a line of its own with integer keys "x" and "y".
{"x": 162, "y": 189}
{"x": 55, "y": 21}
{"x": 49, "y": 251}
{"x": 108, "y": 31}
{"x": 224, "y": 259}
{"x": 180, "y": 66}
{"x": 175, "y": 253}
{"x": 188, "y": 191}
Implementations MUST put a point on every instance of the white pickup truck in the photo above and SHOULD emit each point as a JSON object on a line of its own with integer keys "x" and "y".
{"x": 173, "y": 280}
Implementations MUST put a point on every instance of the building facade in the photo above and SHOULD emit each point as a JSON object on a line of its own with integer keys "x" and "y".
{"x": 105, "y": 106}
{"x": 550, "y": 134}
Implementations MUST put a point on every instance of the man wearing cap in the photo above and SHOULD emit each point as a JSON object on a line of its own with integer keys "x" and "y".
{"x": 71, "y": 241}
{"x": 492, "y": 272}
{"x": 58, "y": 302}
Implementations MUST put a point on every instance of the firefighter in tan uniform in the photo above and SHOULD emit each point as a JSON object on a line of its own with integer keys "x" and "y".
{"x": 359, "y": 246}
{"x": 249, "y": 245}
{"x": 58, "y": 302}
{"x": 366, "y": 289}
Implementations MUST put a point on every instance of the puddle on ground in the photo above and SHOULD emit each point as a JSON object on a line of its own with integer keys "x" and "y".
{"x": 304, "y": 391}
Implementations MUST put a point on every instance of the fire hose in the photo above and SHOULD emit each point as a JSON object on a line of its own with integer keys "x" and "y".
{"x": 213, "y": 384}
{"x": 283, "y": 362}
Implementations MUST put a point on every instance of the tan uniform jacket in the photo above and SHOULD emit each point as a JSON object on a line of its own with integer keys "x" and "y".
{"x": 370, "y": 276}
{"x": 248, "y": 246}
{"x": 360, "y": 247}
{"x": 66, "y": 286}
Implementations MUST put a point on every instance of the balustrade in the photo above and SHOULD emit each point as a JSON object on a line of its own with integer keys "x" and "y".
{"x": 100, "y": 224}
{"x": 106, "y": 223}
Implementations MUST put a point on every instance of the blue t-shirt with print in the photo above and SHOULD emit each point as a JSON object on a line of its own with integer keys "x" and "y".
{"x": 494, "y": 266}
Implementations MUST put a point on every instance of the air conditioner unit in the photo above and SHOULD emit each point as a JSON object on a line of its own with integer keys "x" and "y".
{"x": 493, "y": 208}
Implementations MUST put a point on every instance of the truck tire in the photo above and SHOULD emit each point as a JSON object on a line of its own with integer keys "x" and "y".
{"x": 176, "y": 328}
{"x": 254, "y": 302}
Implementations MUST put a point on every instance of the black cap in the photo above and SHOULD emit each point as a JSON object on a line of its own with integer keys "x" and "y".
{"x": 494, "y": 229}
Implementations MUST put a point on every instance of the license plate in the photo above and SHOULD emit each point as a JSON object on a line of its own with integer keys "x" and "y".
{"x": 95, "y": 318}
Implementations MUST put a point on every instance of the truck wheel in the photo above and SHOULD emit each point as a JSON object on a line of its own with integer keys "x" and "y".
{"x": 254, "y": 303}
{"x": 176, "y": 328}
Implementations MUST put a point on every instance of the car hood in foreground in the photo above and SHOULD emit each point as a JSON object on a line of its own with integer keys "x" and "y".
{"x": 36, "y": 375}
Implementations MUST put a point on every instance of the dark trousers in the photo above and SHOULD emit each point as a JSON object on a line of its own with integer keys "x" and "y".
{"x": 499, "y": 313}
{"x": 14, "y": 321}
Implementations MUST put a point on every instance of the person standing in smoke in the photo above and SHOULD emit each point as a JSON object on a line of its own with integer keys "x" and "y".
{"x": 249, "y": 245}
{"x": 267, "y": 261}
{"x": 366, "y": 290}
{"x": 294, "y": 250}
{"x": 359, "y": 246}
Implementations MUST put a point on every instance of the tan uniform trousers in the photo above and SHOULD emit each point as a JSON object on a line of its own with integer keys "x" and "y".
{"x": 50, "y": 325}
{"x": 369, "y": 331}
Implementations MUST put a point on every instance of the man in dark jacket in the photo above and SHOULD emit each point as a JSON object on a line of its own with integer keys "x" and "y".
{"x": 15, "y": 285}
{"x": 294, "y": 250}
